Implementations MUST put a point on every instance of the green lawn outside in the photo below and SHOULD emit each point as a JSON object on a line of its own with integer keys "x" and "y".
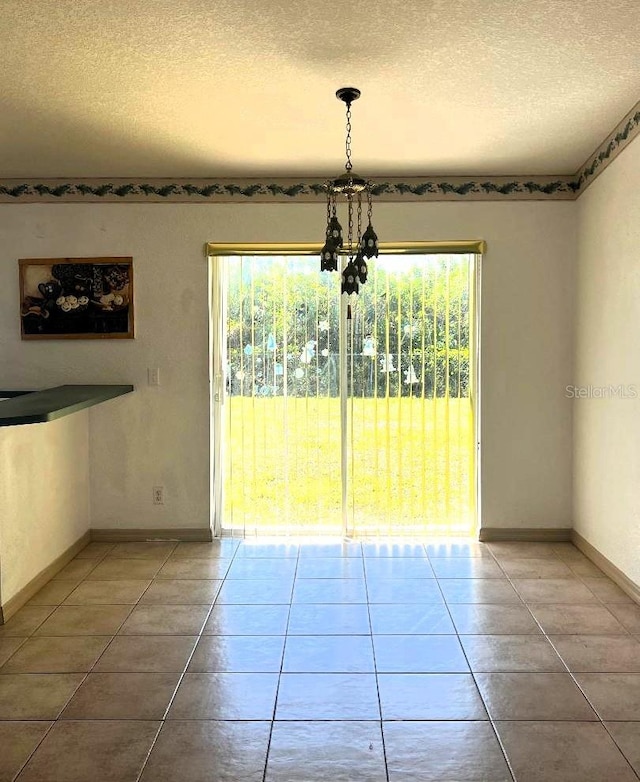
{"x": 411, "y": 469}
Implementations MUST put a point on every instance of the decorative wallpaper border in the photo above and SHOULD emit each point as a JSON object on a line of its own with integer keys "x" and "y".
{"x": 279, "y": 190}
{"x": 611, "y": 147}
{"x": 471, "y": 188}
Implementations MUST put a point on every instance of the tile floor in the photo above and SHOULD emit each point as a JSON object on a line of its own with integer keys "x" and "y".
{"x": 324, "y": 661}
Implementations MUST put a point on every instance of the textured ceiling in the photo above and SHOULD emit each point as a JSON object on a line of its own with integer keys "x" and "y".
{"x": 203, "y": 88}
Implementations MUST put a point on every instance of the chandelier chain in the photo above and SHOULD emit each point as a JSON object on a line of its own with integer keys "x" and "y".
{"x": 348, "y": 165}
{"x": 350, "y": 229}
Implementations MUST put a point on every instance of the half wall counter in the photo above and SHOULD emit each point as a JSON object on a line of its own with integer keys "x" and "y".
{"x": 44, "y": 484}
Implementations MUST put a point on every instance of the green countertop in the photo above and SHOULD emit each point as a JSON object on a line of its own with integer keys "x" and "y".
{"x": 37, "y": 407}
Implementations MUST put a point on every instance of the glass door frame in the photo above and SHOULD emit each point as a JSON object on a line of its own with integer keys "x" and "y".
{"x": 476, "y": 247}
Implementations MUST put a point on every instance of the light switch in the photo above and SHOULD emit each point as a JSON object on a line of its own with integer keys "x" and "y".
{"x": 153, "y": 374}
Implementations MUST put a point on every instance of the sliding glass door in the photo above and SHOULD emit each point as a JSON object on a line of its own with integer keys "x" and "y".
{"x": 280, "y": 420}
{"x": 329, "y": 425}
{"x": 410, "y": 418}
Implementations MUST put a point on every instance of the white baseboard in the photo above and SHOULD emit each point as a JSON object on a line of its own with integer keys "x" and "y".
{"x": 25, "y": 594}
{"x": 189, "y": 534}
{"x": 607, "y": 567}
{"x": 529, "y": 534}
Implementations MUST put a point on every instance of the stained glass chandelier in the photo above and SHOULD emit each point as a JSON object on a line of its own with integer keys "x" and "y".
{"x": 358, "y": 246}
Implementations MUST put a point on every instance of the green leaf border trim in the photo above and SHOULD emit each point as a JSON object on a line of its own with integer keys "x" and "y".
{"x": 609, "y": 149}
{"x": 278, "y": 191}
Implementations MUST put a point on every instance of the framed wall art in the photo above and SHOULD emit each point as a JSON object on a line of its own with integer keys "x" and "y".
{"x": 76, "y": 298}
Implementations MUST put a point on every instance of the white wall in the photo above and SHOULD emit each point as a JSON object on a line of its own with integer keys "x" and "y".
{"x": 161, "y": 435}
{"x": 607, "y": 431}
{"x": 44, "y": 496}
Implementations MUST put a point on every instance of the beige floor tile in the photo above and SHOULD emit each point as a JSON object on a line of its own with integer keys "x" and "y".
{"x": 238, "y": 654}
{"x": 255, "y": 591}
{"x": 112, "y": 569}
{"x": 568, "y": 552}
{"x": 436, "y": 751}
{"x": 429, "y": 696}
{"x": 418, "y": 654}
{"x": 576, "y": 619}
{"x": 333, "y": 548}
{"x": 511, "y": 653}
{"x": 336, "y": 590}
{"x": 122, "y": 696}
{"x": 482, "y": 619}
{"x": 107, "y": 593}
{"x": 627, "y": 615}
{"x": 627, "y": 737}
{"x": 198, "y": 569}
{"x": 327, "y": 696}
{"x": 554, "y": 590}
{"x": 321, "y": 751}
{"x": 142, "y": 550}
{"x": 563, "y": 752}
{"x": 583, "y": 567}
{"x": 453, "y": 549}
{"x": 57, "y": 655}
{"x": 381, "y": 591}
{"x": 385, "y": 568}
{"x": 108, "y": 751}
{"x": 18, "y": 740}
{"x": 408, "y": 619}
{"x": 165, "y": 620}
{"x": 73, "y": 581}
{"x": 203, "y": 751}
{"x": 147, "y": 654}
{"x": 599, "y": 653}
{"x": 460, "y": 567}
{"x": 478, "y": 590}
{"x": 25, "y": 621}
{"x": 225, "y": 696}
{"x": 396, "y": 549}
{"x": 7, "y": 647}
{"x": 95, "y": 550}
{"x": 524, "y": 550}
{"x": 247, "y": 620}
{"x": 53, "y": 593}
{"x": 34, "y": 696}
{"x": 327, "y": 619}
{"x": 262, "y": 567}
{"x": 533, "y": 696}
{"x": 216, "y": 549}
{"x": 265, "y": 548}
{"x": 607, "y": 591}
{"x": 544, "y": 567}
{"x": 329, "y": 654}
{"x": 183, "y": 592}
{"x": 615, "y": 696}
{"x": 84, "y": 620}
{"x": 77, "y": 568}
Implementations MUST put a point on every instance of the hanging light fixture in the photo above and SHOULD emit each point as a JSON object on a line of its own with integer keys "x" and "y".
{"x": 354, "y": 189}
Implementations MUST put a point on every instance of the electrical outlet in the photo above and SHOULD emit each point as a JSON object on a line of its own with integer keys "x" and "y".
{"x": 158, "y": 495}
{"x": 153, "y": 376}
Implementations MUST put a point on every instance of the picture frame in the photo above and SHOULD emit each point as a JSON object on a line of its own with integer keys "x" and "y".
{"x": 76, "y": 298}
